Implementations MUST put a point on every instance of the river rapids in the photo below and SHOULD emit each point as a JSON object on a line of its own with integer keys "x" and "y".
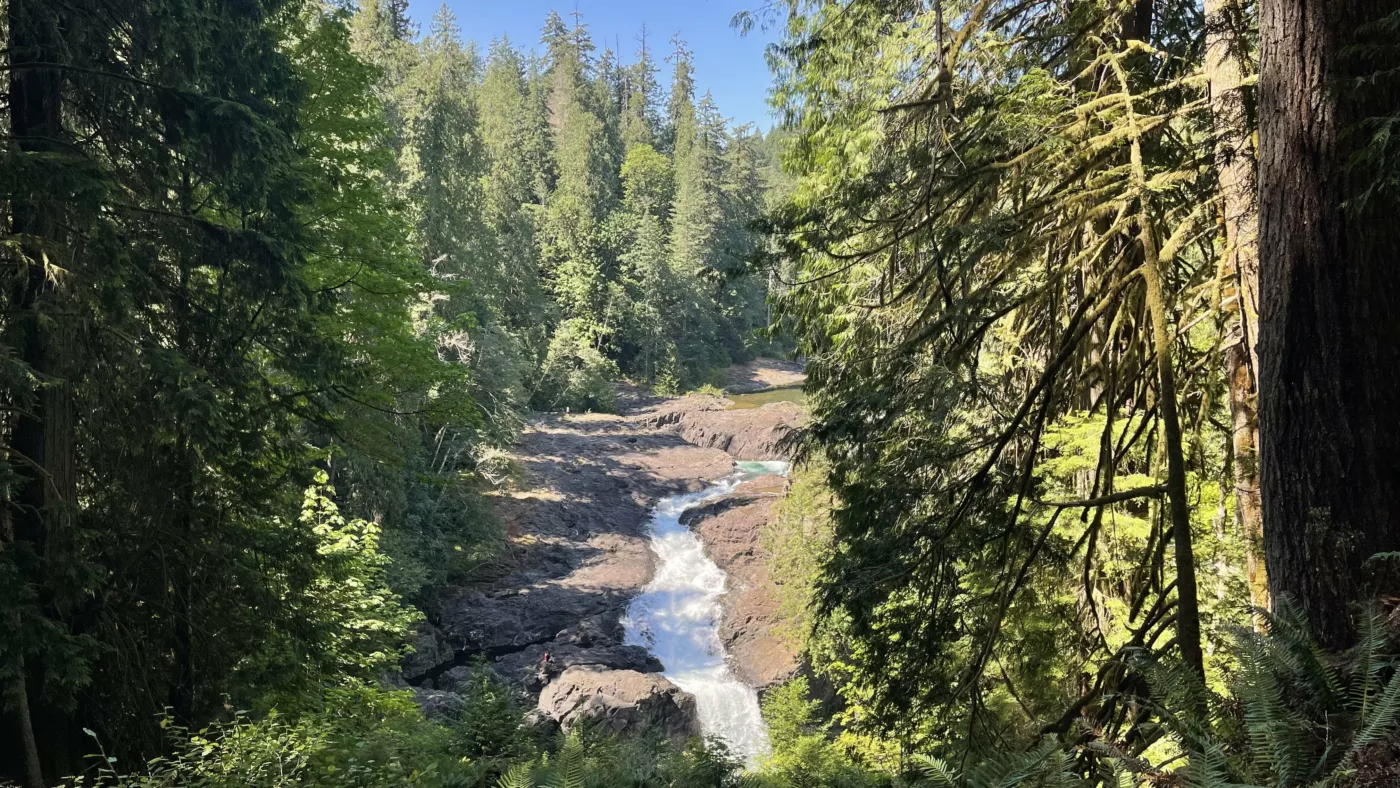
{"x": 677, "y": 615}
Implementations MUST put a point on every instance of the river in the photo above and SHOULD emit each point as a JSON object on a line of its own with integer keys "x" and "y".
{"x": 676, "y": 616}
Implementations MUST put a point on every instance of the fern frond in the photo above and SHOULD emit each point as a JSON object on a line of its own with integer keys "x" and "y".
{"x": 1367, "y": 659}
{"x": 1057, "y": 771}
{"x": 1380, "y": 720}
{"x": 936, "y": 771}
{"x": 517, "y": 776}
{"x": 1292, "y": 645}
{"x": 572, "y": 763}
{"x": 1276, "y": 729}
{"x": 1124, "y": 777}
{"x": 1011, "y": 769}
{"x": 1209, "y": 767}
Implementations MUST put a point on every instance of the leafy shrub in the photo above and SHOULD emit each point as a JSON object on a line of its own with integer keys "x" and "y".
{"x": 803, "y": 752}
{"x": 589, "y": 759}
{"x": 354, "y": 735}
{"x": 576, "y": 374}
{"x": 346, "y": 620}
{"x": 492, "y": 724}
{"x": 1297, "y": 717}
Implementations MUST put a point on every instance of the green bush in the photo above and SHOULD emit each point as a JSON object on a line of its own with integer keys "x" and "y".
{"x": 354, "y": 735}
{"x": 591, "y": 759}
{"x": 804, "y": 756}
{"x": 576, "y": 374}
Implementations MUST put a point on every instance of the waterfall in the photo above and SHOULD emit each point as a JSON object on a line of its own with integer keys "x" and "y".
{"x": 677, "y": 615}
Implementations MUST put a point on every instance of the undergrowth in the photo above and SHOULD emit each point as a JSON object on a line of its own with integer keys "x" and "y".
{"x": 1295, "y": 716}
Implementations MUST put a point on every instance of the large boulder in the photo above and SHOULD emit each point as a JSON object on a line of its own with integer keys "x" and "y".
{"x": 620, "y": 701}
{"x": 440, "y": 706}
{"x": 429, "y": 651}
{"x": 528, "y": 669}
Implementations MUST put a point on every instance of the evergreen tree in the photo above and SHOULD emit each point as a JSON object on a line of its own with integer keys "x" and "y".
{"x": 697, "y": 215}
{"x": 639, "y": 119}
{"x": 576, "y": 206}
{"x": 283, "y": 281}
{"x": 1328, "y": 338}
{"x": 1004, "y": 271}
{"x": 221, "y": 336}
{"x": 517, "y": 145}
{"x": 680, "y": 105}
{"x": 742, "y": 296}
{"x": 648, "y": 349}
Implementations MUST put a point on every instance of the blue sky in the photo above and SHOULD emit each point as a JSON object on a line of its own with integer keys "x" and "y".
{"x": 729, "y": 65}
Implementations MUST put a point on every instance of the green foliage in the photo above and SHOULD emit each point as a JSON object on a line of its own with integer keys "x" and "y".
{"x": 973, "y": 215}
{"x": 576, "y": 375}
{"x": 585, "y": 760}
{"x": 800, "y": 533}
{"x": 353, "y": 735}
{"x": 492, "y": 723}
{"x": 790, "y": 714}
{"x": 803, "y": 753}
{"x": 350, "y": 623}
{"x": 257, "y": 243}
{"x": 1308, "y": 715}
{"x": 647, "y": 181}
{"x": 356, "y": 734}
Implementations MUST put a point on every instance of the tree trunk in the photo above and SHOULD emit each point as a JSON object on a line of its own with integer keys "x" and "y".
{"x": 18, "y": 686}
{"x": 1188, "y": 615}
{"x": 1244, "y": 436}
{"x": 1235, "y": 165}
{"x": 35, "y": 104}
{"x": 33, "y": 773}
{"x": 39, "y": 334}
{"x": 1329, "y": 339}
{"x": 1137, "y": 24}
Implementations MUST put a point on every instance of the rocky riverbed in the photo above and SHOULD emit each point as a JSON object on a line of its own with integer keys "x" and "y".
{"x": 578, "y": 552}
{"x": 731, "y": 530}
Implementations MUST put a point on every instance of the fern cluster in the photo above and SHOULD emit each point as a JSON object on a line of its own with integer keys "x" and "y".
{"x": 1298, "y": 716}
{"x": 1295, "y": 716}
{"x": 1309, "y": 715}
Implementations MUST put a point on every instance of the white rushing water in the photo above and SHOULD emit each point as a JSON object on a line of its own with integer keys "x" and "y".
{"x": 677, "y": 614}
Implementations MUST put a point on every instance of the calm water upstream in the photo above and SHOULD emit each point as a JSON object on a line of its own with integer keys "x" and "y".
{"x": 758, "y": 399}
{"x": 677, "y": 614}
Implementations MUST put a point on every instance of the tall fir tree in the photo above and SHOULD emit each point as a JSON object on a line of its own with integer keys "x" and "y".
{"x": 639, "y": 112}
{"x": 517, "y": 146}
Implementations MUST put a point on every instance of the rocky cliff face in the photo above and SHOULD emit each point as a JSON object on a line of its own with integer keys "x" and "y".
{"x": 546, "y": 616}
{"x": 754, "y": 434}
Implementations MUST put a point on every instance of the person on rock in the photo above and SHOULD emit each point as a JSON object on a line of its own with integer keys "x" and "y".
{"x": 543, "y": 673}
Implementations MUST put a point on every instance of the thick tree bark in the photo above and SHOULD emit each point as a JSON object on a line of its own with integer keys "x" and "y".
{"x": 35, "y": 103}
{"x": 33, "y": 772}
{"x": 39, "y": 333}
{"x": 18, "y": 689}
{"x": 1235, "y": 165}
{"x": 1329, "y": 339}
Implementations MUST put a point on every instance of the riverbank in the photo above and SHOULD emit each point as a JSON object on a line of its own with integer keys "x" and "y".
{"x": 577, "y": 553}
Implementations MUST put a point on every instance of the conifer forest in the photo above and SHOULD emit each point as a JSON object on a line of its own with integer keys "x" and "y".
{"x": 388, "y": 403}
